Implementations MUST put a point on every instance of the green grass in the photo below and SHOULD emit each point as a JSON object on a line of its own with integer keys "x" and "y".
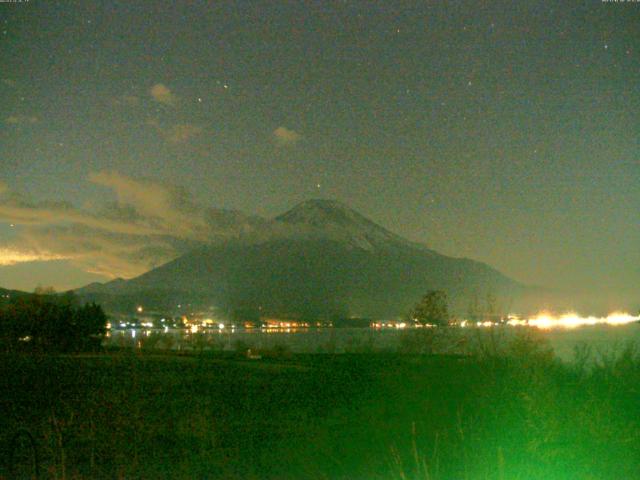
{"x": 510, "y": 413}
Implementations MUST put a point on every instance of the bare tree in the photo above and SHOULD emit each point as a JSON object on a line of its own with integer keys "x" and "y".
{"x": 432, "y": 309}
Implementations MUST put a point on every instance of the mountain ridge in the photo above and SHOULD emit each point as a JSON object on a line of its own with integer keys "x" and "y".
{"x": 319, "y": 258}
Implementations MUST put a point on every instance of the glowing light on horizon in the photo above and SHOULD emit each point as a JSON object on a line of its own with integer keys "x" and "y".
{"x": 546, "y": 321}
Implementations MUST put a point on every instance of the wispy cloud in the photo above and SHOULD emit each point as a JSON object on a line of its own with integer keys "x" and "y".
{"x": 12, "y": 256}
{"x": 44, "y": 214}
{"x": 21, "y": 119}
{"x": 149, "y": 224}
{"x": 94, "y": 250}
{"x": 163, "y": 94}
{"x": 168, "y": 208}
{"x": 175, "y": 134}
{"x": 182, "y": 133}
{"x": 285, "y": 136}
{"x": 127, "y": 100}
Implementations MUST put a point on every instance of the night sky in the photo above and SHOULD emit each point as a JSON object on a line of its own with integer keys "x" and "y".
{"x": 507, "y": 132}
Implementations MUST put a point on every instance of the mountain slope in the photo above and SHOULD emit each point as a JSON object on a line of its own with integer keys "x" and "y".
{"x": 319, "y": 259}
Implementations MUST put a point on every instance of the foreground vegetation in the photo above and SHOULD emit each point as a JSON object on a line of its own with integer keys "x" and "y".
{"x": 509, "y": 412}
{"x": 47, "y": 322}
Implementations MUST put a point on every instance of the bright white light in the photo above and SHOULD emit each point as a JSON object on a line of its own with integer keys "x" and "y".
{"x": 569, "y": 320}
{"x": 621, "y": 318}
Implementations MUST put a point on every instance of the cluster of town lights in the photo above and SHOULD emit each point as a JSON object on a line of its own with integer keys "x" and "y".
{"x": 543, "y": 320}
{"x": 547, "y": 321}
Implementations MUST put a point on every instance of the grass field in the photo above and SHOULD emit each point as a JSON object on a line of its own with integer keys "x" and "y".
{"x": 509, "y": 413}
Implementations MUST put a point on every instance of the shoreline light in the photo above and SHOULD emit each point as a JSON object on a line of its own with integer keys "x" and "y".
{"x": 546, "y": 321}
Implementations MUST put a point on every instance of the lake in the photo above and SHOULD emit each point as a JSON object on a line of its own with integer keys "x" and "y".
{"x": 601, "y": 339}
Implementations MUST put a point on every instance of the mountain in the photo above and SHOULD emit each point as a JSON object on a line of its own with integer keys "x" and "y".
{"x": 6, "y": 295}
{"x": 97, "y": 287}
{"x": 333, "y": 220}
{"x": 319, "y": 259}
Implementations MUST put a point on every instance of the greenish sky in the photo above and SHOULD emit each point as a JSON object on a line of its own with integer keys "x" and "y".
{"x": 502, "y": 131}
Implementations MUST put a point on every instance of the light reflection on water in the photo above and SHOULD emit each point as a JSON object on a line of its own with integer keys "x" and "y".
{"x": 602, "y": 339}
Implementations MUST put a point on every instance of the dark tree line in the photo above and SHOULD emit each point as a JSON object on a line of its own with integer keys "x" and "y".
{"x": 51, "y": 323}
{"x": 432, "y": 309}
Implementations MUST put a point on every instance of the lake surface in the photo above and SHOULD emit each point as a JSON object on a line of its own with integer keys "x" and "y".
{"x": 600, "y": 339}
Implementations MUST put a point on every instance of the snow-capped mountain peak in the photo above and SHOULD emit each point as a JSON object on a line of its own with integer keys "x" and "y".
{"x": 337, "y": 221}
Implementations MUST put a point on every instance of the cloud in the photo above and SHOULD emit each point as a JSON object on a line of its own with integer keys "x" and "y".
{"x": 285, "y": 136}
{"x": 154, "y": 122}
{"x": 168, "y": 208}
{"x": 12, "y": 256}
{"x": 163, "y": 94}
{"x": 21, "y": 119}
{"x": 95, "y": 251}
{"x": 176, "y": 134}
{"x": 41, "y": 214}
{"x": 127, "y": 101}
{"x": 181, "y": 133}
{"x": 117, "y": 241}
{"x": 148, "y": 224}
